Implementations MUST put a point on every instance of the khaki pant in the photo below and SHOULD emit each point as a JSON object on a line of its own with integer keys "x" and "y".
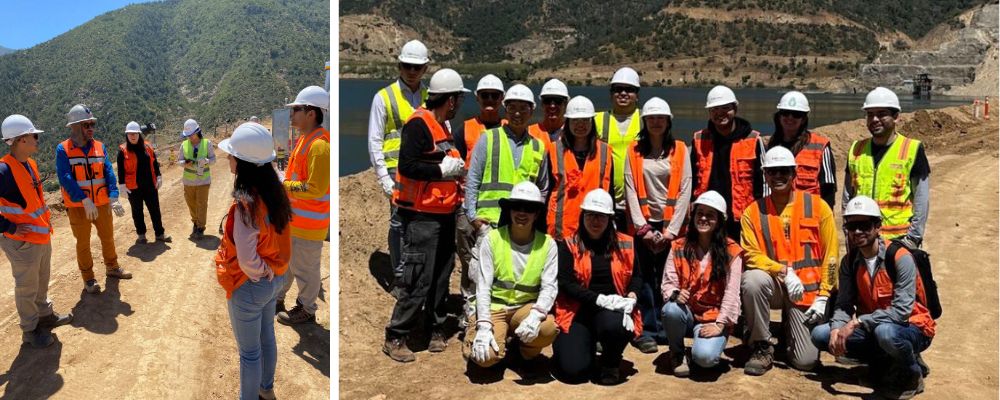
{"x": 197, "y": 201}
{"x": 80, "y": 225}
{"x": 304, "y": 267}
{"x": 30, "y": 263}
{"x": 504, "y": 323}
{"x": 761, "y": 293}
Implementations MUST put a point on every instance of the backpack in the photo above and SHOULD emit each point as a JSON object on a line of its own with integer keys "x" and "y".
{"x": 923, "y": 262}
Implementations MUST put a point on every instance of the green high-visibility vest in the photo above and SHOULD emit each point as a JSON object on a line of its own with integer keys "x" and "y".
{"x": 500, "y": 174}
{"x": 607, "y": 132}
{"x": 888, "y": 183}
{"x": 191, "y": 172}
{"x": 507, "y": 290}
{"x": 398, "y": 111}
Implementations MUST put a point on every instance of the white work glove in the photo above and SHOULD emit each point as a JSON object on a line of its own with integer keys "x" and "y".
{"x": 614, "y": 302}
{"x": 624, "y": 304}
{"x": 123, "y": 188}
{"x": 202, "y": 162}
{"x": 627, "y": 322}
{"x": 451, "y": 167}
{"x": 116, "y": 206}
{"x": 794, "y": 286}
{"x": 387, "y": 185}
{"x": 90, "y": 209}
{"x": 528, "y": 330}
{"x": 817, "y": 311}
{"x": 482, "y": 344}
{"x": 159, "y": 182}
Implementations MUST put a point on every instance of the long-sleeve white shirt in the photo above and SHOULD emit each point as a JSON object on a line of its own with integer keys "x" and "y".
{"x": 519, "y": 257}
{"x": 655, "y": 173}
{"x": 376, "y": 126}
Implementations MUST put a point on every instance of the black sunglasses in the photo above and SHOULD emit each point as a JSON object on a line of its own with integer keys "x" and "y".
{"x": 490, "y": 95}
{"x": 523, "y": 207}
{"x": 298, "y": 108}
{"x": 553, "y": 100}
{"x": 88, "y": 124}
{"x": 793, "y": 114}
{"x": 626, "y": 89}
{"x": 863, "y": 226}
{"x": 411, "y": 67}
{"x": 779, "y": 171}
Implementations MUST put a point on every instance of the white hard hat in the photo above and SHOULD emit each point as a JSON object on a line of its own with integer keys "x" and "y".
{"x": 191, "y": 127}
{"x": 519, "y": 92}
{"x": 490, "y": 82}
{"x": 250, "y": 142}
{"x": 312, "y": 96}
{"x": 794, "y": 101}
{"x": 713, "y": 199}
{"x": 17, "y": 125}
{"x": 862, "y": 205}
{"x": 446, "y": 80}
{"x": 525, "y": 192}
{"x": 598, "y": 201}
{"x": 579, "y": 107}
{"x": 414, "y": 52}
{"x": 720, "y": 95}
{"x": 656, "y": 106}
{"x": 133, "y": 127}
{"x": 554, "y": 87}
{"x": 79, "y": 113}
{"x": 778, "y": 157}
{"x": 626, "y": 76}
{"x": 881, "y": 97}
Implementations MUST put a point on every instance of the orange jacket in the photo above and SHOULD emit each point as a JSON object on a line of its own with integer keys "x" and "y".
{"x": 35, "y": 214}
{"x": 131, "y": 164}
{"x": 311, "y": 214}
{"x": 474, "y": 129}
{"x": 808, "y": 163}
{"x": 741, "y": 161}
{"x": 274, "y": 248}
{"x": 678, "y": 156}
{"x": 536, "y": 131}
{"x": 877, "y": 294}
{"x": 433, "y": 197}
{"x": 571, "y": 184}
{"x": 705, "y": 300}
{"x": 88, "y": 170}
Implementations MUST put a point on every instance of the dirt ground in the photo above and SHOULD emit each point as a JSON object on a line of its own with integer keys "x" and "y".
{"x": 961, "y": 236}
{"x": 163, "y": 334}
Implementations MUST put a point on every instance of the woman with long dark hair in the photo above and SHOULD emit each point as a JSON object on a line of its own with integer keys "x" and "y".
{"x": 598, "y": 282}
{"x": 815, "y": 171}
{"x": 253, "y": 257}
{"x": 701, "y": 281}
{"x": 139, "y": 177}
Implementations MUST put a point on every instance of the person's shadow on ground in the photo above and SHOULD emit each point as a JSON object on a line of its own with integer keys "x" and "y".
{"x": 828, "y": 376}
{"x": 99, "y": 312}
{"x": 34, "y": 374}
{"x": 380, "y": 266}
{"x": 313, "y": 346}
{"x": 207, "y": 242}
{"x": 147, "y": 252}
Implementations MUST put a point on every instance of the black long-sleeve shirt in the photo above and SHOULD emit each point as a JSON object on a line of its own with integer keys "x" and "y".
{"x": 414, "y": 163}
{"x": 10, "y": 192}
{"x": 600, "y": 278}
{"x": 143, "y": 177}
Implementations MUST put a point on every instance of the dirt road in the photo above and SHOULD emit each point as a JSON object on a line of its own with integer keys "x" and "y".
{"x": 961, "y": 236}
{"x": 163, "y": 334}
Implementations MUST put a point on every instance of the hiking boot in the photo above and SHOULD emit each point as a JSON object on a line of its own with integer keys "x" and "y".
{"x": 924, "y": 368}
{"x": 609, "y": 376}
{"x": 163, "y": 237}
{"x": 120, "y": 273}
{"x": 38, "y": 338}
{"x": 438, "y": 343}
{"x": 897, "y": 390}
{"x": 646, "y": 345}
{"x": 297, "y": 315}
{"x": 266, "y": 394}
{"x": 201, "y": 232}
{"x": 760, "y": 360}
{"x": 54, "y": 320}
{"x": 396, "y": 349}
{"x": 279, "y": 306}
{"x": 141, "y": 239}
{"x": 680, "y": 366}
{"x": 92, "y": 286}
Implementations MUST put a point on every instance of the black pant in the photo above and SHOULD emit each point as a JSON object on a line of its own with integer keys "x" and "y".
{"x": 621, "y": 221}
{"x": 651, "y": 298}
{"x": 428, "y": 258}
{"x": 734, "y": 230}
{"x": 151, "y": 197}
{"x": 573, "y": 352}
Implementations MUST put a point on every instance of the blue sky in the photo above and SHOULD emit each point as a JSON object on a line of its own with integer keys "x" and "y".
{"x": 30, "y": 22}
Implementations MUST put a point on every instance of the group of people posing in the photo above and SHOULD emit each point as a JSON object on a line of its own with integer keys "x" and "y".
{"x": 588, "y": 231}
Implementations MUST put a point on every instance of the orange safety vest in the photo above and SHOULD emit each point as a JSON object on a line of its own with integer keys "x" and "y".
{"x": 571, "y": 184}
{"x": 706, "y": 296}
{"x": 131, "y": 164}
{"x": 536, "y": 131}
{"x": 802, "y": 250}
{"x": 435, "y": 197}
{"x": 877, "y": 295}
{"x": 808, "y": 162}
{"x": 308, "y": 214}
{"x": 678, "y": 156}
{"x": 621, "y": 274}
{"x": 35, "y": 214}
{"x": 474, "y": 129}
{"x": 741, "y": 160}
{"x": 274, "y": 248}
{"x": 88, "y": 170}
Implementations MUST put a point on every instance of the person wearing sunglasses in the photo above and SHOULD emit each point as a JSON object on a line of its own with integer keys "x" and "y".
{"x": 87, "y": 179}
{"x": 27, "y": 233}
{"x": 657, "y": 188}
{"x": 554, "y": 96}
{"x": 725, "y": 157}
{"x": 515, "y": 283}
{"x": 879, "y": 317}
{"x": 139, "y": 178}
{"x": 619, "y": 128}
{"x": 815, "y": 170}
{"x": 790, "y": 240}
{"x": 391, "y": 107}
{"x": 892, "y": 169}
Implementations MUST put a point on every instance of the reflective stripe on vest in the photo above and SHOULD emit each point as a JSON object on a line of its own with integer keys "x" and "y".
{"x": 398, "y": 111}
{"x": 705, "y": 299}
{"x": 88, "y": 172}
{"x": 131, "y": 165}
{"x": 678, "y": 156}
{"x": 508, "y": 290}
{"x": 35, "y": 214}
{"x": 441, "y": 196}
{"x": 801, "y": 249}
{"x": 571, "y": 184}
{"x": 809, "y": 162}
{"x": 888, "y": 183}
{"x": 473, "y": 129}
{"x": 869, "y": 288}
{"x": 741, "y": 160}
{"x": 608, "y": 133}
{"x": 191, "y": 175}
{"x": 500, "y": 175}
{"x": 308, "y": 214}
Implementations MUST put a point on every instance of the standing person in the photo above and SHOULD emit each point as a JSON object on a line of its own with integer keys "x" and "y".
{"x": 554, "y": 96}
{"x": 198, "y": 153}
{"x": 27, "y": 232}
{"x": 84, "y": 172}
{"x": 701, "y": 282}
{"x": 622, "y": 133}
{"x": 892, "y": 169}
{"x": 657, "y": 194}
{"x": 725, "y": 157}
{"x": 598, "y": 282}
{"x": 253, "y": 257}
{"x": 881, "y": 314}
{"x": 139, "y": 177}
{"x": 791, "y": 264}
{"x": 392, "y": 106}
{"x": 815, "y": 170}
{"x": 580, "y": 163}
{"x": 428, "y": 195}
{"x": 307, "y": 181}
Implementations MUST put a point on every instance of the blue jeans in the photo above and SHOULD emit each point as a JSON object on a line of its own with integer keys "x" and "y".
{"x": 890, "y": 345}
{"x": 251, "y": 311}
{"x": 678, "y": 323}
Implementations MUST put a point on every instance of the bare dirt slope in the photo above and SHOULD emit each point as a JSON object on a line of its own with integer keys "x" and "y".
{"x": 163, "y": 334}
{"x": 961, "y": 236}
